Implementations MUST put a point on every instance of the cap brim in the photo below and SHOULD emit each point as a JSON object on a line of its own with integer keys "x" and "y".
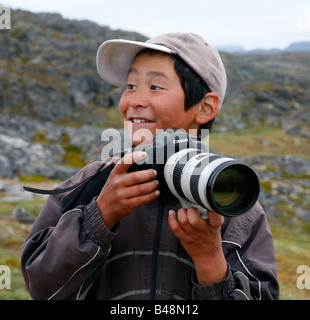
{"x": 114, "y": 58}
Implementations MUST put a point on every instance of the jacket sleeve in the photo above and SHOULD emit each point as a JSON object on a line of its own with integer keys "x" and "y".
{"x": 252, "y": 269}
{"x": 63, "y": 252}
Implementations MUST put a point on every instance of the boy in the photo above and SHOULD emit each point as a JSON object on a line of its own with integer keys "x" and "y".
{"x": 131, "y": 241}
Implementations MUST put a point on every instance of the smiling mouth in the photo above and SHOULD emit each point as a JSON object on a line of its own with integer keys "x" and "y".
{"x": 140, "y": 121}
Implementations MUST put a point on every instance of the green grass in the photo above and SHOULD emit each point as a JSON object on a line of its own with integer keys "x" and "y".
{"x": 259, "y": 141}
{"x": 292, "y": 250}
{"x": 35, "y": 178}
{"x": 6, "y": 207}
{"x": 12, "y": 236}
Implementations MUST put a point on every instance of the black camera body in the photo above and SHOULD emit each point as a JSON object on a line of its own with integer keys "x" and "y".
{"x": 197, "y": 178}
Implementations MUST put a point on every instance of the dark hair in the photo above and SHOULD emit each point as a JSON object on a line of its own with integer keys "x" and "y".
{"x": 193, "y": 86}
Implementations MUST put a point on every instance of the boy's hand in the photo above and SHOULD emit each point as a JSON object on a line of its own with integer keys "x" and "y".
{"x": 202, "y": 240}
{"x": 123, "y": 192}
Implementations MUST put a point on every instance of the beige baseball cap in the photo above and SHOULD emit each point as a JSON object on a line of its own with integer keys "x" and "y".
{"x": 114, "y": 58}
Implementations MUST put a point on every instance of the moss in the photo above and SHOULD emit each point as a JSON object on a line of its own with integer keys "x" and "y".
{"x": 40, "y": 137}
{"x": 288, "y": 176}
{"x": 69, "y": 122}
{"x": 266, "y": 185}
{"x": 16, "y": 32}
{"x": 36, "y": 178}
{"x": 248, "y": 142}
{"x": 74, "y": 156}
{"x": 34, "y": 206}
{"x": 57, "y": 35}
{"x": 114, "y": 118}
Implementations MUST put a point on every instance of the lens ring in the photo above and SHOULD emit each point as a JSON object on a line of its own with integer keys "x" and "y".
{"x": 247, "y": 197}
{"x": 178, "y": 171}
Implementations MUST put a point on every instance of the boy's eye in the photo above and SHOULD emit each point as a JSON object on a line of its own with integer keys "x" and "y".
{"x": 131, "y": 87}
{"x": 153, "y": 87}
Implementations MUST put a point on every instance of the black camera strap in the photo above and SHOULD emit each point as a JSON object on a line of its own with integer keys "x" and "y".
{"x": 82, "y": 192}
{"x": 87, "y": 189}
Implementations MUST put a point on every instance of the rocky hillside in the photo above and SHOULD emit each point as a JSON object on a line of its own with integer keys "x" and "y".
{"x": 54, "y": 106}
{"x": 52, "y": 100}
{"x": 48, "y": 70}
{"x": 268, "y": 90}
{"x": 48, "y": 73}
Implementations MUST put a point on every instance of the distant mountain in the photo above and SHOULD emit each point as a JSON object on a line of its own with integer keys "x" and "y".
{"x": 232, "y": 49}
{"x": 266, "y": 51}
{"x": 298, "y": 46}
{"x": 303, "y": 46}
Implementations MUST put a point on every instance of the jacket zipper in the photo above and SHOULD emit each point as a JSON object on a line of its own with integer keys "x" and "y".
{"x": 156, "y": 245}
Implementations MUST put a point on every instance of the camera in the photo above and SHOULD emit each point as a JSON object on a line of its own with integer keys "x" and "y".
{"x": 198, "y": 178}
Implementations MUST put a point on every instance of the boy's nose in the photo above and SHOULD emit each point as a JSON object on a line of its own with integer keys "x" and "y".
{"x": 139, "y": 99}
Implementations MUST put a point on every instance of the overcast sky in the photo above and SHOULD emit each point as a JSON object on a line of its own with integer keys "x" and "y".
{"x": 248, "y": 23}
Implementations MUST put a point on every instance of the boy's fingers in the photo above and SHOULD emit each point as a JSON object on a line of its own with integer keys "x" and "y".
{"x": 129, "y": 159}
{"x": 139, "y": 177}
{"x": 175, "y": 226}
{"x": 142, "y": 189}
{"x": 215, "y": 220}
{"x": 142, "y": 200}
{"x": 195, "y": 219}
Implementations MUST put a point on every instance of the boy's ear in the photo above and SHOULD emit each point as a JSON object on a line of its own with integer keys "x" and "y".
{"x": 209, "y": 106}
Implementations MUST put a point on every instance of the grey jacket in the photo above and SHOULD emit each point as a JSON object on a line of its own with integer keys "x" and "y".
{"x": 75, "y": 256}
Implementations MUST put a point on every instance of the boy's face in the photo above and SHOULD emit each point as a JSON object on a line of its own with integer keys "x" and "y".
{"x": 154, "y": 98}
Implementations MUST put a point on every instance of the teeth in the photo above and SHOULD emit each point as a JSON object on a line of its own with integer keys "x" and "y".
{"x": 139, "y": 120}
